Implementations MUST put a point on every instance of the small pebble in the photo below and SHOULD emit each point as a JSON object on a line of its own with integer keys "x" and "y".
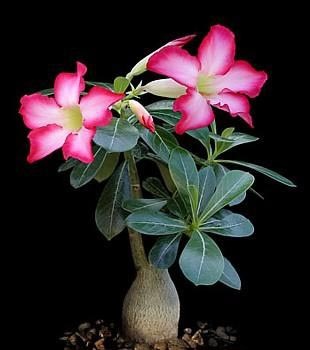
{"x": 99, "y": 344}
{"x": 142, "y": 346}
{"x": 213, "y": 343}
{"x": 220, "y": 331}
{"x": 160, "y": 346}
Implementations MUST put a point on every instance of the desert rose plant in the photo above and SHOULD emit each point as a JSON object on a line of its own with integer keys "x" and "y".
{"x": 104, "y": 131}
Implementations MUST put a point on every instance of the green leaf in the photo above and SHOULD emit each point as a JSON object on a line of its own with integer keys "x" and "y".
{"x": 167, "y": 116}
{"x": 232, "y": 225}
{"x": 177, "y": 207}
{"x": 165, "y": 174}
{"x": 201, "y": 260}
{"x": 121, "y": 84}
{"x": 46, "y": 92}
{"x": 118, "y": 136}
{"x": 233, "y": 184}
{"x": 68, "y": 164}
{"x": 270, "y": 173}
{"x": 227, "y": 132}
{"x": 202, "y": 135}
{"x": 110, "y": 216}
{"x": 230, "y": 276}
{"x": 97, "y": 83}
{"x": 153, "y": 204}
{"x": 220, "y": 171}
{"x": 207, "y": 184}
{"x": 84, "y": 173}
{"x": 184, "y": 173}
{"x": 235, "y": 139}
{"x": 155, "y": 187}
{"x": 108, "y": 166}
{"x": 193, "y": 197}
{"x": 164, "y": 251}
{"x": 161, "y": 141}
{"x": 150, "y": 223}
{"x": 160, "y": 105}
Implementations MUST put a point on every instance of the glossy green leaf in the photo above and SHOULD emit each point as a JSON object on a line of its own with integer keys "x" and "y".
{"x": 193, "y": 198}
{"x": 97, "y": 83}
{"x": 232, "y": 225}
{"x": 230, "y": 276}
{"x": 154, "y": 186}
{"x": 161, "y": 142}
{"x": 220, "y": 171}
{"x": 164, "y": 251}
{"x": 167, "y": 116}
{"x": 84, "y": 173}
{"x": 108, "y": 166}
{"x": 121, "y": 84}
{"x": 160, "y": 105}
{"x": 270, "y": 173}
{"x": 201, "y": 260}
{"x": 153, "y": 204}
{"x": 232, "y": 185}
{"x": 207, "y": 184}
{"x": 118, "y": 136}
{"x": 237, "y": 138}
{"x": 110, "y": 216}
{"x": 150, "y": 223}
{"x": 177, "y": 207}
{"x": 202, "y": 135}
{"x": 68, "y": 164}
{"x": 227, "y": 132}
{"x": 183, "y": 172}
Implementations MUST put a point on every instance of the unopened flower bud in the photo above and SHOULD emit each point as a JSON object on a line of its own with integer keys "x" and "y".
{"x": 165, "y": 88}
{"x": 142, "y": 115}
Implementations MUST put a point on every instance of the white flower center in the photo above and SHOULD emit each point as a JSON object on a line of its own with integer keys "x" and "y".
{"x": 72, "y": 118}
{"x": 205, "y": 84}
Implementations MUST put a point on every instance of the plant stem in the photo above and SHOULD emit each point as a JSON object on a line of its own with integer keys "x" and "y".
{"x": 135, "y": 239}
{"x": 213, "y": 129}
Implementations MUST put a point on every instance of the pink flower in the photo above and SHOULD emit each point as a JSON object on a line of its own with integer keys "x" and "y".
{"x": 66, "y": 121}
{"x": 212, "y": 78}
{"x": 142, "y": 114}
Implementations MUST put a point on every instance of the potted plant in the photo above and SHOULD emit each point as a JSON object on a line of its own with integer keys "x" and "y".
{"x": 104, "y": 131}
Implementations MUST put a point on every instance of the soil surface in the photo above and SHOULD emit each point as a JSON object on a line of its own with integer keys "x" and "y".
{"x": 102, "y": 335}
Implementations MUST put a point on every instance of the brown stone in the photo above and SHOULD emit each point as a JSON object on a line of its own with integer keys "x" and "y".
{"x": 141, "y": 346}
{"x": 100, "y": 344}
{"x": 160, "y": 346}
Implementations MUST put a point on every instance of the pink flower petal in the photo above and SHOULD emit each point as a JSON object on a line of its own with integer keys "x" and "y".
{"x": 235, "y": 104}
{"x": 68, "y": 86}
{"x": 38, "y": 110}
{"x": 177, "y": 64}
{"x": 181, "y": 41}
{"x": 45, "y": 140}
{"x": 243, "y": 78}
{"x": 78, "y": 145}
{"x": 217, "y": 51}
{"x": 94, "y": 106}
{"x": 195, "y": 110}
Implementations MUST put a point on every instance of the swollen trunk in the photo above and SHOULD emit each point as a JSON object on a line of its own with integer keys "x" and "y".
{"x": 151, "y": 307}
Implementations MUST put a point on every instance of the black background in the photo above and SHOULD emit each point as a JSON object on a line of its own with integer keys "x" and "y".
{"x": 64, "y": 271}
